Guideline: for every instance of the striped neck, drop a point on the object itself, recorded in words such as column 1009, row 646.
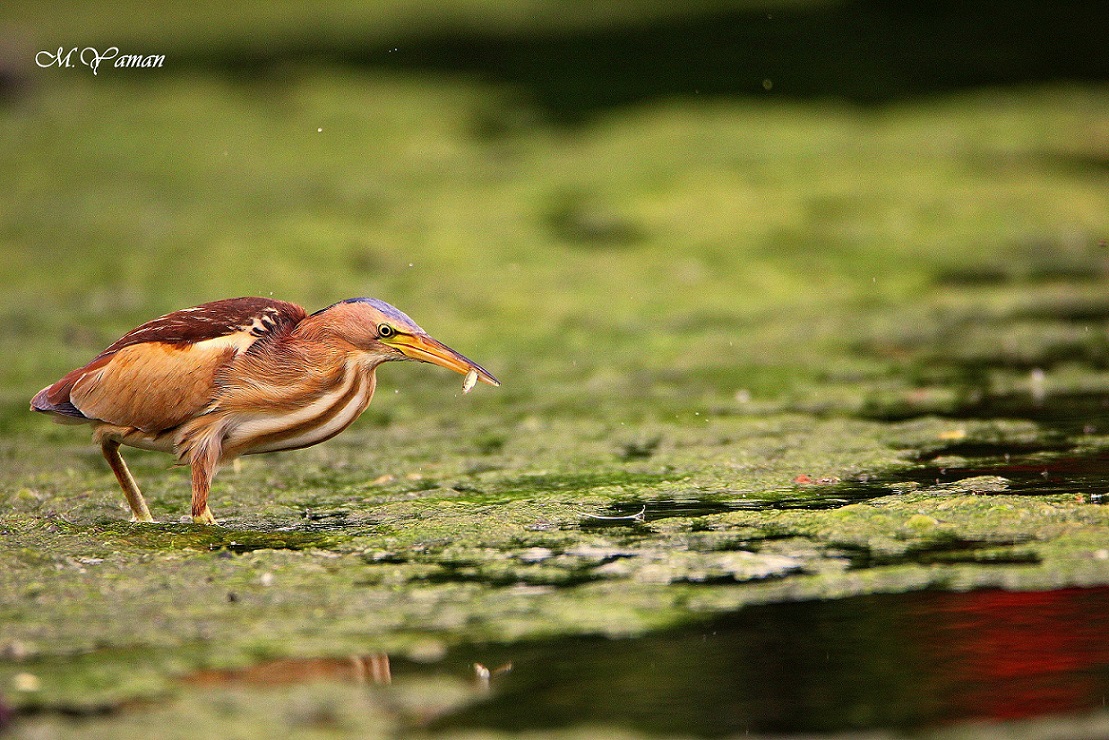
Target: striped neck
column 331, row 410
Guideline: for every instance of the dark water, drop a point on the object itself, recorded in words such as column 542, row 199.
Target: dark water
column 1085, row 473
column 1067, row 458
column 889, row 661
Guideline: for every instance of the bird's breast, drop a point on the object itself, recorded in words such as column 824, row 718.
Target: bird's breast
column 264, row 430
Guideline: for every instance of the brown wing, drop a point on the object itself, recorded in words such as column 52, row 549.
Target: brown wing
column 162, row 373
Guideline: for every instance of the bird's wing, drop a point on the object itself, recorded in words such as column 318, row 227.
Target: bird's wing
column 162, row 373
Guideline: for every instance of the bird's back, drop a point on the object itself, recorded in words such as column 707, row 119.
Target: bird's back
column 160, row 374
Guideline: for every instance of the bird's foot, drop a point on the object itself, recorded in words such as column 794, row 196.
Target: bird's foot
column 147, row 519
column 204, row 517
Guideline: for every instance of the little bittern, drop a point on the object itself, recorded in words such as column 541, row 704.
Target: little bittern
column 237, row 377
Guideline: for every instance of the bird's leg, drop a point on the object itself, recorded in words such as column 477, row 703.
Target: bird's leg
column 204, row 460
column 139, row 511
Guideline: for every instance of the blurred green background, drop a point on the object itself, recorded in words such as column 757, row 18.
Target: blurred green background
column 569, row 191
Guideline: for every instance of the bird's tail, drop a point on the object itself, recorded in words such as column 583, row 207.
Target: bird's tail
column 63, row 410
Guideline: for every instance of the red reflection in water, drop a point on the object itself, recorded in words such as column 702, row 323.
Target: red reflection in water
column 1010, row 655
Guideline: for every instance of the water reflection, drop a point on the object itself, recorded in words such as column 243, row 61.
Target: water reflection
column 360, row 669
column 887, row 661
column 892, row 661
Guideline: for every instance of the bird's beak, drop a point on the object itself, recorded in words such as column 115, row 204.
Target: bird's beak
column 425, row 349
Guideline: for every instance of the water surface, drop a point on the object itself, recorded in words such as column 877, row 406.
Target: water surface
column 887, row 661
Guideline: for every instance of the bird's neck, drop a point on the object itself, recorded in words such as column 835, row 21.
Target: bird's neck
column 317, row 329
column 317, row 405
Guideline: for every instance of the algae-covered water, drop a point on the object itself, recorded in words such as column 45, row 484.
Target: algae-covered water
column 804, row 350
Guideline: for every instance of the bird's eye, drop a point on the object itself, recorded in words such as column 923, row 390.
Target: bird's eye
column 384, row 331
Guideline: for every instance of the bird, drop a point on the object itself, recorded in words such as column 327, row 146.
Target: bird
column 238, row 376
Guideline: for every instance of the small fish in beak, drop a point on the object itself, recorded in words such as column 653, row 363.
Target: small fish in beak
column 470, row 381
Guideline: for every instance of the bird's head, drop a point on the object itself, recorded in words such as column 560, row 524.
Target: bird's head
column 378, row 328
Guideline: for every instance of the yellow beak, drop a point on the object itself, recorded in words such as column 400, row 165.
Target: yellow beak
column 425, row 349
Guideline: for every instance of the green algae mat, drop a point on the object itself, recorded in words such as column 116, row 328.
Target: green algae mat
column 756, row 353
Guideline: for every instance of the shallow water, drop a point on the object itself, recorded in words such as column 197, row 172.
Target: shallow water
column 902, row 662
column 887, row 661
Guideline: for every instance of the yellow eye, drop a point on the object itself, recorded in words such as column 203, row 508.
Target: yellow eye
column 384, row 331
